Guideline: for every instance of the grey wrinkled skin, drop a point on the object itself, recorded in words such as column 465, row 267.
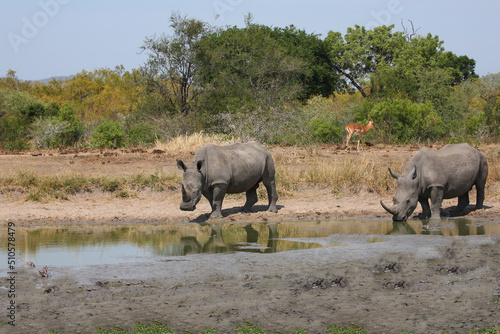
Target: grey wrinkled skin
column 436, row 175
column 217, row 170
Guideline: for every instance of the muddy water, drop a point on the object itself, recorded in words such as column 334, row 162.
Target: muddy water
column 84, row 245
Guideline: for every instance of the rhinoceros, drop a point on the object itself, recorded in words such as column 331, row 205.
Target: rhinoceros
column 436, row 175
column 236, row 168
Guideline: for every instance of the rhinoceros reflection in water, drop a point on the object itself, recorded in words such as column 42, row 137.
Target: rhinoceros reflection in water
column 216, row 243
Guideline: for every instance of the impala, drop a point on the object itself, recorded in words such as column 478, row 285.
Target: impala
column 354, row 129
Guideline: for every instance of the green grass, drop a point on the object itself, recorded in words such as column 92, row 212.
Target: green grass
column 249, row 328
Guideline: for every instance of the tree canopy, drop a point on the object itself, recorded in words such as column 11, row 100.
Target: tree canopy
column 257, row 82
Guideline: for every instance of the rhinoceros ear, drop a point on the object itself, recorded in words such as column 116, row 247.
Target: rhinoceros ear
column 414, row 173
column 393, row 174
column 181, row 165
column 199, row 164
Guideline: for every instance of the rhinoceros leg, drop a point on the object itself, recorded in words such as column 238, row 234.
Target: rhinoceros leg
column 463, row 201
column 251, row 198
column 219, row 191
column 426, row 209
column 272, row 194
column 437, row 201
column 268, row 179
column 480, row 185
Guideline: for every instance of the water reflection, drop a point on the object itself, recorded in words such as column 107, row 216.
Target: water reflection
column 452, row 227
column 107, row 244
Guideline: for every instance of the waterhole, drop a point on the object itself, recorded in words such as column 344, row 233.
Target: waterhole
column 87, row 245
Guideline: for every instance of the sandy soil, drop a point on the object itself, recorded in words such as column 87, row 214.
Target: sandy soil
column 422, row 283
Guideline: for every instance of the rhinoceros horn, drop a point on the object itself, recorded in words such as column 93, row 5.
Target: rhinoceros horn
column 393, row 174
column 391, row 210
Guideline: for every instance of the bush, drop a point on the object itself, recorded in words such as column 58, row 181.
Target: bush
column 326, row 132
column 13, row 132
column 404, row 121
column 74, row 132
column 63, row 129
column 141, row 134
column 108, row 134
column 274, row 126
column 32, row 111
column 17, row 144
column 47, row 131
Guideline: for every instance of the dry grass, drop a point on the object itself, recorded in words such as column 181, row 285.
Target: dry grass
column 345, row 175
column 297, row 168
column 188, row 144
column 60, row 186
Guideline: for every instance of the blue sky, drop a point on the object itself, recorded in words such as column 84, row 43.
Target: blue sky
column 45, row 38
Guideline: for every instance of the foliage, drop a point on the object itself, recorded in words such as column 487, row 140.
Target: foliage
column 60, row 130
column 320, row 77
column 395, row 64
column 274, row 126
column 328, row 116
column 275, row 85
column 108, row 134
column 359, row 52
column 325, row 132
column 46, row 131
column 141, row 134
column 246, row 69
column 403, row 121
column 170, row 68
column 95, row 96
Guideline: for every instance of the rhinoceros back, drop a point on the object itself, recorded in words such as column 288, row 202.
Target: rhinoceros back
column 241, row 165
column 456, row 167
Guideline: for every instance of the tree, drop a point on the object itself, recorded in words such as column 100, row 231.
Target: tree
column 361, row 52
column 245, row 69
column 320, row 78
column 489, row 92
column 170, row 67
column 395, row 63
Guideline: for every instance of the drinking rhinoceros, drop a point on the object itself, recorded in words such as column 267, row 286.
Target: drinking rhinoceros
column 217, row 170
column 446, row 173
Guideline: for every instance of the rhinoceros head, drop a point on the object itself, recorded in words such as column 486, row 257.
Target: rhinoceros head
column 191, row 185
column 406, row 198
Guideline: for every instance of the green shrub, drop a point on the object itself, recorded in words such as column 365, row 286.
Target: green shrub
column 62, row 129
column 17, row 144
column 30, row 112
column 325, row 132
column 403, row 121
column 74, row 131
column 141, row 134
column 108, row 134
column 13, row 132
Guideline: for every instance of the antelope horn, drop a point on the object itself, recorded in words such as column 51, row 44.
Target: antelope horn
column 391, row 210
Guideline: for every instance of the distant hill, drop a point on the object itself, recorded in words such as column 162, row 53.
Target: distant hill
column 47, row 80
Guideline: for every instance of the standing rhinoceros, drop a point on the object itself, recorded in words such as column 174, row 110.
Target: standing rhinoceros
column 217, row 170
column 446, row 173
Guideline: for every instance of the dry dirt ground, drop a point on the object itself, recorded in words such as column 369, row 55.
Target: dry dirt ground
column 422, row 283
